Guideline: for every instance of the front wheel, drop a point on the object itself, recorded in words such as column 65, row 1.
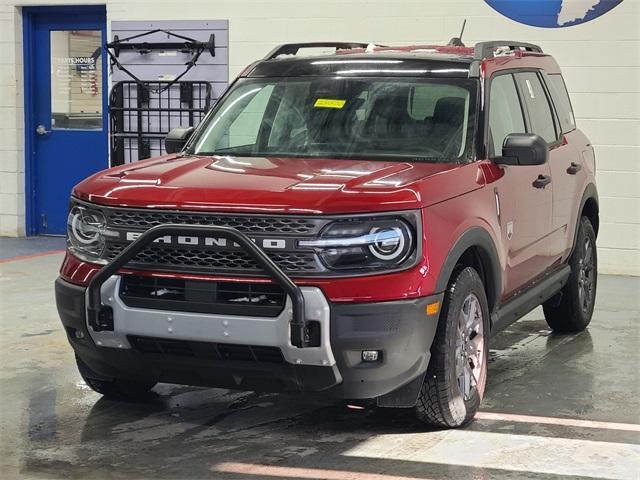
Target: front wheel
column 454, row 384
column 572, row 309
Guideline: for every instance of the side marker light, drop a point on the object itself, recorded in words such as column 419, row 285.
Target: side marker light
column 432, row 308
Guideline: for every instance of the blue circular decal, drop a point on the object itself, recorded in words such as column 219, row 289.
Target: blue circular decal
column 552, row 13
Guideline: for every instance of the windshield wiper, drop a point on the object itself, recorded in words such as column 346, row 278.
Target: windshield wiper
column 222, row 153
column 351, row 156
column 431, row 159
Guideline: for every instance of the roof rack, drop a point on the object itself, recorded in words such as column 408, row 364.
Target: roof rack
column 292, row 48
column 484, row 50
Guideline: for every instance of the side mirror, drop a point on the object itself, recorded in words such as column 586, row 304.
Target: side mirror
column 523, row 149
column 177, row 139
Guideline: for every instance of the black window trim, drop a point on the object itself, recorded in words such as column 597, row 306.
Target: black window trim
column 545, row 76
column 523, row 111
column 513, row 71
column 554, row 114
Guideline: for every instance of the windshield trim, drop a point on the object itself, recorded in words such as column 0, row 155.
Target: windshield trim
column 333, row 156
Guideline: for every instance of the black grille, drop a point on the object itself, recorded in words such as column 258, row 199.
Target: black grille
column 193, row 259
column 206, row 350
column 226, row 298
column 211, row 259
column 247, row 224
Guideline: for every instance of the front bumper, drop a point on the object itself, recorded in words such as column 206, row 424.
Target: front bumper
column 400, row 329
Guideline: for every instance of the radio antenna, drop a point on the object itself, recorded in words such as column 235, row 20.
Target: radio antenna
column 457, row 41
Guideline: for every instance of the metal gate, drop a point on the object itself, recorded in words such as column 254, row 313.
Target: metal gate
column 141, row 115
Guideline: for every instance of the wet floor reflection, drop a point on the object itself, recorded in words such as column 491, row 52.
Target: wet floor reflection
column 53, row 426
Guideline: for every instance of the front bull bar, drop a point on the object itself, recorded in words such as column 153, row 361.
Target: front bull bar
column 299, row 333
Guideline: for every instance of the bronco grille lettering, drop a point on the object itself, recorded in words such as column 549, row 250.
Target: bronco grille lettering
column 266, row 243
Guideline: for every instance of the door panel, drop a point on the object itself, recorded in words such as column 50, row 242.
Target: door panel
column 66, row 125
column 524, row 210
column 525, row 214
column 567, row 168
column 566, row 197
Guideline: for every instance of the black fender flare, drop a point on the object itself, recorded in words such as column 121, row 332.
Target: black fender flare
column 590, row 193
column 475, row 237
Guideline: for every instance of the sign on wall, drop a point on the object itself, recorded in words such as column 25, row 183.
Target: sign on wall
column 552, row 13
column 76, row 79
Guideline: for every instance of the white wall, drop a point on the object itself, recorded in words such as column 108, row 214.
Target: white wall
column 600, row 59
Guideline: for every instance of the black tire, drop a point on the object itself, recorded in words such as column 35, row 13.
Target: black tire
column 442, row 402
column 571, row 310
column 117, row 388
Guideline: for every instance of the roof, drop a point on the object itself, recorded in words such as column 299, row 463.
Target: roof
column 360, row 59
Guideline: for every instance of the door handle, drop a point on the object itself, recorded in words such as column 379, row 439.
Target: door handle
column 42, row 130
column 574, row 168
column 542, row 181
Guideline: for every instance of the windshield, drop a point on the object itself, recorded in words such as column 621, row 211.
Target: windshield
column 408, row 119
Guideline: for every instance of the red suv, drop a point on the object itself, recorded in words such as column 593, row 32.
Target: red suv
column 358, row 223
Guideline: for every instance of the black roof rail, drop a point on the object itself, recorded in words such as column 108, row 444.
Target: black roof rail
column 484, row 50
column 292, row 48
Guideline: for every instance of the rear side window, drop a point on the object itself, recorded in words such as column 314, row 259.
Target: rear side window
column 505, row 112
column 560, row 98
column 538, row 106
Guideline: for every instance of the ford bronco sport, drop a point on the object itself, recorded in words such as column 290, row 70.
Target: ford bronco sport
column 358, row 222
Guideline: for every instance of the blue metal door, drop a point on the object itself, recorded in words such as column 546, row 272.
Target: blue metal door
column 65, row 108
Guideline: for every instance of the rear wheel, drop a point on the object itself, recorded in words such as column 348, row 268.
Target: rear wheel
column 457, row 373
column 117, row 388
column 572, row 309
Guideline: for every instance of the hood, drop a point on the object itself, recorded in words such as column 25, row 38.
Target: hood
column 277, row 185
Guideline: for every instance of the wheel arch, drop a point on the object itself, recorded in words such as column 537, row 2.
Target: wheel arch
column 590, row 208
column 475, row 248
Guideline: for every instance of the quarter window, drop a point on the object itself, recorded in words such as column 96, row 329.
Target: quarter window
column 505, row 112
column 540, row 116
column 561, row 100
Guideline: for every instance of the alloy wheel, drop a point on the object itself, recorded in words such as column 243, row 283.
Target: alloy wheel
column 470, row 347
column 586, row 276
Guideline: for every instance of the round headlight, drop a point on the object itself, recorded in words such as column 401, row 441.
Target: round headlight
column 85, row 232
column 365, row 244
column 86, row 227
column 387, row 243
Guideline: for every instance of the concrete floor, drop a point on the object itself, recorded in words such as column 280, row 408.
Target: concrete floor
column 556, row 406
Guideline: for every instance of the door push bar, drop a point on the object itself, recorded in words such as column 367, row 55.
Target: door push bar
column 299, row 333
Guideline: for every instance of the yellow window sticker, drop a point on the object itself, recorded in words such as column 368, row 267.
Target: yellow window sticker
column 329, row 103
